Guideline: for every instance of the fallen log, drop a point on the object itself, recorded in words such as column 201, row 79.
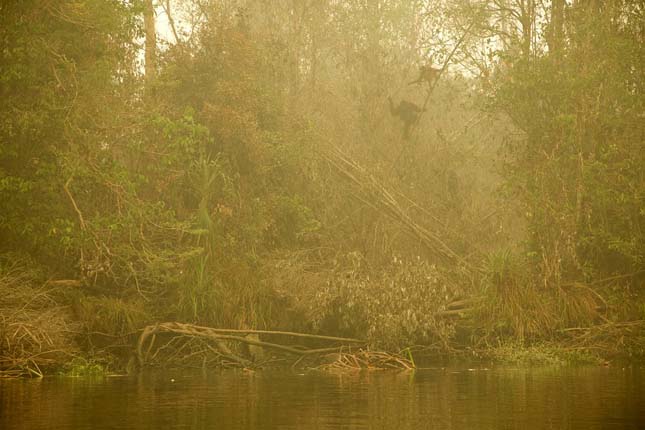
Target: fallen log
column 220, row 335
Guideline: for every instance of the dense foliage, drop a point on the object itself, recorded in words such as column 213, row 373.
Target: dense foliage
column 250, row 175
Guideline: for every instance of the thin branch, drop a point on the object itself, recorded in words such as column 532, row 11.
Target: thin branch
column 166, row 7
column 71, row 198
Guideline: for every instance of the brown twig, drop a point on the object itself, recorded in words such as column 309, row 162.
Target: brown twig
column 71, row 198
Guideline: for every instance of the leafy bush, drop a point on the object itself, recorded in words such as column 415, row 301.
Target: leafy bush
column 397, row 307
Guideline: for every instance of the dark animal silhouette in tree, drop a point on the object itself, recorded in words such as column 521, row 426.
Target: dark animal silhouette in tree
column 408, row 112
column 427, row 74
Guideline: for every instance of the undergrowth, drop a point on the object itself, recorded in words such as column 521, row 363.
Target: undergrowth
column 513, row 352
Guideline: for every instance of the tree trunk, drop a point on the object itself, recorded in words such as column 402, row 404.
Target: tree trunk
column 527, row 10
column 151, row 41
column 557, row 22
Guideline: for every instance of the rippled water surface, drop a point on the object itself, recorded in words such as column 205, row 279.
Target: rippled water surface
column 499, row 398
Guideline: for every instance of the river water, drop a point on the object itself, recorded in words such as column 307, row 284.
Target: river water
column 497, row 398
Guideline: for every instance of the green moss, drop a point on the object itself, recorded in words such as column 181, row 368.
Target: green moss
column 541, row 354
column 84, row 367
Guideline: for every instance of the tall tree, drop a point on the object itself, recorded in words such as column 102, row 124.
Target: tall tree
column 151, row 41
column 557, row 24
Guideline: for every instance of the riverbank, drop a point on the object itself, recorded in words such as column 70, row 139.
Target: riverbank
column 55, row 326
column 426, row 181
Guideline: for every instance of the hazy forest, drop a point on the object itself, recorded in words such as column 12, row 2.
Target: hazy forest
column 183, row 181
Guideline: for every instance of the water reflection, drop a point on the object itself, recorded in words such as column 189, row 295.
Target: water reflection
column 584, row 398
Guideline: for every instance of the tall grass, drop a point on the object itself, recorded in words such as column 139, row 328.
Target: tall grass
column 36, row 330
column 516, row 306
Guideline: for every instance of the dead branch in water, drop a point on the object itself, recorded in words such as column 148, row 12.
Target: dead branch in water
column 218, row 336
column 366, row 360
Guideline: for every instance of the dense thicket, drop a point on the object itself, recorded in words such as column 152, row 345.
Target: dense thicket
column 249, row 173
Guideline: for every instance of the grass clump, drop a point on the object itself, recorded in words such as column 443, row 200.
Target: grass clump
column 515, row 306
column 36, row 329
column 541, row 354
